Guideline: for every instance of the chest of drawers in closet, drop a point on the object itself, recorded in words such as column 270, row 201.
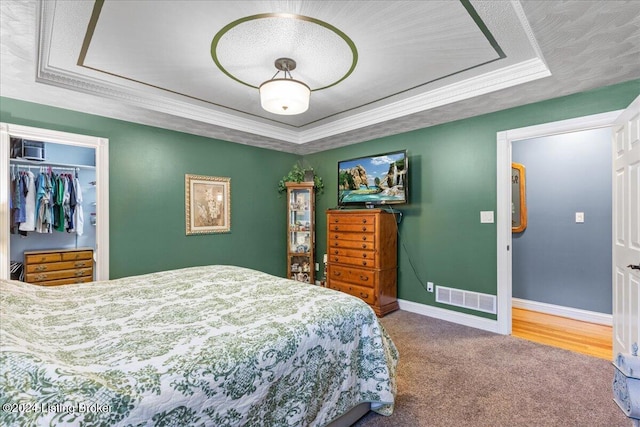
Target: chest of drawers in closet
column 58, row 266
column 362, row 256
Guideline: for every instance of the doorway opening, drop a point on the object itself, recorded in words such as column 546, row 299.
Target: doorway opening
column 100, row 145
column 504, row 230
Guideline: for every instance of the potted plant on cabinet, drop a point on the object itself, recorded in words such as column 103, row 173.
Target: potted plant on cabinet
column 301, row 173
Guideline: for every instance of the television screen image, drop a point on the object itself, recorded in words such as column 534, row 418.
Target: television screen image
column 380, row 179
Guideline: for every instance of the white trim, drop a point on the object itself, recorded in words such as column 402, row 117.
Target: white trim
column 101, row 145
column 449, row 315
column 503, row 197
column 503, row 232
column 569, row 312
column 503, row 78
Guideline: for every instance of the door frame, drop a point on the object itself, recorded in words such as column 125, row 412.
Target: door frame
column 503, row 203
column 101, row 145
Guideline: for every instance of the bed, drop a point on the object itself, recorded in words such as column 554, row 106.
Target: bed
column 211, row 346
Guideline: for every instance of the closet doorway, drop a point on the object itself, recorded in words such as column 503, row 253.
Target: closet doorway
column 101, row 188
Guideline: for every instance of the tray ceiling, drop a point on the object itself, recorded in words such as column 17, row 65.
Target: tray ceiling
column 375, row 68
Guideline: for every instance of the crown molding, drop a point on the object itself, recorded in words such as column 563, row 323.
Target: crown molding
column 503, row 78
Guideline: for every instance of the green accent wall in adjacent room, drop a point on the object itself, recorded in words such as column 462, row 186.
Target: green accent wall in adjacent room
column 452, row 172
column 147, row 166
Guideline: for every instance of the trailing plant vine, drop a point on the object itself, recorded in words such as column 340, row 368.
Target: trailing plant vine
column 298, row 174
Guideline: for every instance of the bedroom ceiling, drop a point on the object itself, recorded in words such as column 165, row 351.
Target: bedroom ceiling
column 375, row 68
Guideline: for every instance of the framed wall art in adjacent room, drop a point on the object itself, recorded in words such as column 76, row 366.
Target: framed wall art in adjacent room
column 518, row 198
column 207, row 204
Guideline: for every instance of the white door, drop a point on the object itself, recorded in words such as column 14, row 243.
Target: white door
column 626, row 229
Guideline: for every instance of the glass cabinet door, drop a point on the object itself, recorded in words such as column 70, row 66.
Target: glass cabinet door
column 300, row 232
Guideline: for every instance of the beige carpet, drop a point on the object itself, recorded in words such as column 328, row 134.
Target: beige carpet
column 452, row 375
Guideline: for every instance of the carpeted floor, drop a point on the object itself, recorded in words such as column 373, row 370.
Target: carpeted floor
column 453, row 375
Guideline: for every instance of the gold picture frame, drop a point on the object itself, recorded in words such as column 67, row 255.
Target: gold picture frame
column 207, row 204
column 518, row 198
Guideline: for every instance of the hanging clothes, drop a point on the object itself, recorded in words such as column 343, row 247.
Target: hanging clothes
column 58, row 208
column 44, row 204
column 78, row 214
column 29, row 223
column 72, row 203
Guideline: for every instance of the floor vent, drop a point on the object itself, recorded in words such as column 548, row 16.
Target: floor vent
column 466, row 299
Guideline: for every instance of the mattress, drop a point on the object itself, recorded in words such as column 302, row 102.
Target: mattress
column 212, row 345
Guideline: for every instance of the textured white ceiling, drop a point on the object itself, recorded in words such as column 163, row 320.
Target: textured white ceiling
column 417, row 63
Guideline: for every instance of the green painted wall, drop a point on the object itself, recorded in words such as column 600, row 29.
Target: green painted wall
column 146, row 193
column 452, row 172
column 453, row 178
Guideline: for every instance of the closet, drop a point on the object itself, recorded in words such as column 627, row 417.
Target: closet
column 53, row 202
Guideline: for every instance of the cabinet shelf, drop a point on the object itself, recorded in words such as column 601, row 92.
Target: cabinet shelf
column 301, row 231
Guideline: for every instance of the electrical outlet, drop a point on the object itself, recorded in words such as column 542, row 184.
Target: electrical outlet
column 429, row 286
column 317, row 266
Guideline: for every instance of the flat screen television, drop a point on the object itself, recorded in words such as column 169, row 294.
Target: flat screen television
column 381, row 179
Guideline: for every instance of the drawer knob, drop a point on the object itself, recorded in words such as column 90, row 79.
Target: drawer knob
column 41, row 277
column 364, row 237
column 363, row 295
column 364, row 262
column 336, row 228
column 79, row 264
column 364, row 255
column 79, row 273
column 364, row 228
column 337, row 273
column 364, row 246
column 41, row 268
column 335, row 244
column 336, row 252
column 335, row 259
column 364, row 220
column 364, row 278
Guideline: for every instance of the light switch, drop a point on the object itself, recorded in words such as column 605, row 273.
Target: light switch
column 579, row 217
column 486, row 217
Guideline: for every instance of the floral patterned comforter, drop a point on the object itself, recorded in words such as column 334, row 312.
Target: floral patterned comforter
column 200, row 346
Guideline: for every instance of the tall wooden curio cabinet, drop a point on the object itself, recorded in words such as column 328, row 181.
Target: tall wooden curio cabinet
column 301, row 231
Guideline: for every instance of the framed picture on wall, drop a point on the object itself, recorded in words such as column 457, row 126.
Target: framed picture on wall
column 207, row 204
column 518, row 199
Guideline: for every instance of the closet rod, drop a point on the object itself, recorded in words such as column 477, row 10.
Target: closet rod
column 53, row 165
column 76, row 169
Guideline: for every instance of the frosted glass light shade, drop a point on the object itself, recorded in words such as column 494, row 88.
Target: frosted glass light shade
column 284, row 96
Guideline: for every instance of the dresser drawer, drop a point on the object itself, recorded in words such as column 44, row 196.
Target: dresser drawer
column 54, row 266
column 76, row 255
column 353, row 253
column 355, row 237
column 351, row 219
column 351, row 244
column 365, row 294
column 357, row 262
column 356, row 276
column 43, row 257
column 60, row 274
column 360, row 228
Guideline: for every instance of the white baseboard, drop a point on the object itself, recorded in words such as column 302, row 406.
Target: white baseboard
column 449, row 315
column 558, row 310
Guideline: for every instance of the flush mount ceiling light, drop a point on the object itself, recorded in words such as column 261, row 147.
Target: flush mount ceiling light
column 284, row 95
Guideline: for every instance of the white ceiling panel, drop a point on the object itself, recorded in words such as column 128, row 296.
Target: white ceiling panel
column 375, row 68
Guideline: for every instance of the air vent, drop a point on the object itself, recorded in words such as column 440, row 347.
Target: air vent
column 466, row 299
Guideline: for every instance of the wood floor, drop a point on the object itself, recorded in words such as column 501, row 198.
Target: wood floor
column 586, row 338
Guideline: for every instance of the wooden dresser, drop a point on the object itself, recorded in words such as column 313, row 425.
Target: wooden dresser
column 362, row 256
column 58, row 266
